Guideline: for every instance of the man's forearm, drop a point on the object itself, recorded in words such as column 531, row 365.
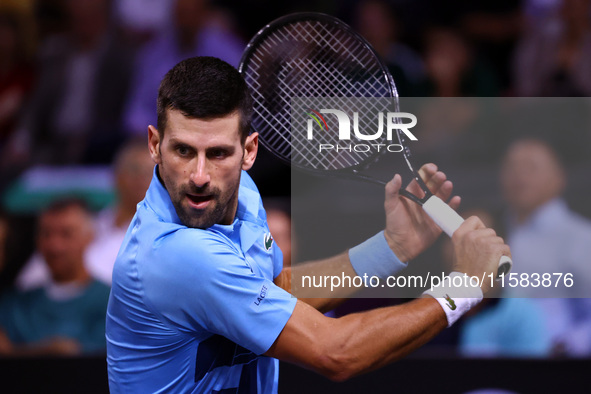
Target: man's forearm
column 357, row 343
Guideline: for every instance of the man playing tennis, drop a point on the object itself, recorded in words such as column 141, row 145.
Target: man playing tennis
column 199, row 301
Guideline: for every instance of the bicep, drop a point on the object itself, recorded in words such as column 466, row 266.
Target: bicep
column 283, row 280
column 297, row 281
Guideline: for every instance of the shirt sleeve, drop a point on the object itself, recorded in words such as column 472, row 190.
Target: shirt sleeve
column 196, row 282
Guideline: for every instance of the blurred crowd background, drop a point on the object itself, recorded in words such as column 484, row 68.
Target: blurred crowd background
column 78, row 87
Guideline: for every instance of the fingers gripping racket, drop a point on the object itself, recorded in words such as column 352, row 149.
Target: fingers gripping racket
column 312, row 55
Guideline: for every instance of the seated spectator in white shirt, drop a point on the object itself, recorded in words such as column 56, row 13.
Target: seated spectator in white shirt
column 133, row 173
column 546, row 236
column 67, row 315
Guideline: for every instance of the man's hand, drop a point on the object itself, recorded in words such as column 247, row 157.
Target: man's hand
column 55, row 346
column 59, row 346
column 477, row 250
column 409, row 230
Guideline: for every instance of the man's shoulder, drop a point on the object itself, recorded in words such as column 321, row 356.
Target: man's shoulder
column 182, row 259
column 194, row 243
column 9, row 296
column 582, row 223
column 153, row 245
column 557, row 216
column 13, row 300
column 98, row 289
column 184, row 251
column 13, row 294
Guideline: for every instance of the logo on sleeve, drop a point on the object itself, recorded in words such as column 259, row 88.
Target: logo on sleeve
column 262, row 295
column 268, row 241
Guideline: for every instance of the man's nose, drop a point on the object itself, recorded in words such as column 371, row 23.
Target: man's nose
column 200, row 175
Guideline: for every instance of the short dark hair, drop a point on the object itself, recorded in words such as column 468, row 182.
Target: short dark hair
column 204, row 87
column 62, row 204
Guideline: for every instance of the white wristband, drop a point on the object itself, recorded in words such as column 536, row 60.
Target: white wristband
column 456, row 296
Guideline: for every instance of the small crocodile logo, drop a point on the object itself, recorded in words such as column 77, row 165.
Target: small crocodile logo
column 268, row 239
column 450, row 303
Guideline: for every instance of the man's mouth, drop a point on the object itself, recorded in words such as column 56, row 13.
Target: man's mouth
column 199, row 201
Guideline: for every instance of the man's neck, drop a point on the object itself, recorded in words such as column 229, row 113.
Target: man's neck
column 66, row 290
column 80, row 277
column 522, row 216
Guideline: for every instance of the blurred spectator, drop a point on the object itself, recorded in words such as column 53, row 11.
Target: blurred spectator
column 74, row 113
column 493, row 27
column 504, row 327
column 196, row 30
column 554, row 57
column 279, row 221
column 67, row 316
column 538, row 11
column 16, row 71
column 453, row 70
column 132, row 168
column 450, row 132
column 378, row 24
column 50, row 17
column 546, row 237
column 141, row 20
column 500, row 326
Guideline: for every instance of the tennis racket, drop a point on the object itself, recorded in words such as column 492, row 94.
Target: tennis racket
column 302, row 59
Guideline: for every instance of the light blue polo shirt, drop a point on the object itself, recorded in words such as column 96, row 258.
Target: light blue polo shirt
column 192, row 310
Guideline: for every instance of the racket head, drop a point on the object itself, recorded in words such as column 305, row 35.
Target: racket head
column 311, row 55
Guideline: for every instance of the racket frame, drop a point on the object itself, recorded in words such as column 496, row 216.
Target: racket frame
column 351, row 172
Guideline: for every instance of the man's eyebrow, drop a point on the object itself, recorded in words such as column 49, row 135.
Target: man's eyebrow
column 229, row 148
column 175, row 142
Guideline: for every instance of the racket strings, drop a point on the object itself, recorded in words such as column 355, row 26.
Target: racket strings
column 310, row 59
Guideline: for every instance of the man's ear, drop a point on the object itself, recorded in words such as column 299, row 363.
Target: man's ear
column 251, row 147
column 154, row 144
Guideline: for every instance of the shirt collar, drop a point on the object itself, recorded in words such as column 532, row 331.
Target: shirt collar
column 158, row 199
column 250, row 207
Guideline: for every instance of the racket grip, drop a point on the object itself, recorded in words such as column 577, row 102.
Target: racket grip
column 449, row 221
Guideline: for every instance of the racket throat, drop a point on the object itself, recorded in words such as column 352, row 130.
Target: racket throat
column 422, row 185
column 356, row 175
column 413, row 198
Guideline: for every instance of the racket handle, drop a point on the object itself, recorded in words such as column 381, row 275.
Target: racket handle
column 449, row 221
